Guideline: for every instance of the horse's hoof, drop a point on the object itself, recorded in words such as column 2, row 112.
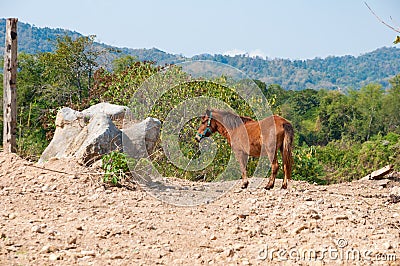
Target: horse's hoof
column 284, row 187
column 268, row 187
column 245, row 185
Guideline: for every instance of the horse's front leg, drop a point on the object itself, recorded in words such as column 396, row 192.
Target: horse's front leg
column 242, row 159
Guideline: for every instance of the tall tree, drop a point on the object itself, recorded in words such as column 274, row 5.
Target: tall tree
column 369, row 102
column 391, row 106
column 70, row 68
column 335, row 114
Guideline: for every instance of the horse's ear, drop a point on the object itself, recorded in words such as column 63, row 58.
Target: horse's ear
column 208, row 112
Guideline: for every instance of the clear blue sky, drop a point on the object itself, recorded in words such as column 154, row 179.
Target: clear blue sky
column 295, row 29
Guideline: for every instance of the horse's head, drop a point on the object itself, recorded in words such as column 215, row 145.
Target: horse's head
column 207, row 127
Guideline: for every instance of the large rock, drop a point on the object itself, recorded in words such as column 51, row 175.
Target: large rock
column 69, row 124
column 111, row 110
column 146, row 132
column 87, row 135
column 99, row 137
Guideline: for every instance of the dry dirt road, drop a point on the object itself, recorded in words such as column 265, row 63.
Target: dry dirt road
column 56, row 218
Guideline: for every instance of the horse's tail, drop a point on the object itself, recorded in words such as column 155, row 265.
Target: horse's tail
column 287, row 149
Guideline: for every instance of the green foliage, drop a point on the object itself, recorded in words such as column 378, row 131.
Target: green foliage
column 121, row 63
column 306, row 165
column 70, row 69
column 391, row 107
column 335, row 112
column 346, row 160
column 119, row 86
column 115, row 166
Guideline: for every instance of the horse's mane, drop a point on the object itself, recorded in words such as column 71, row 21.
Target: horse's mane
column 230, row 120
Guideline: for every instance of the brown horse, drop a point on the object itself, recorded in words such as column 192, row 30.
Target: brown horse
column 255, row 138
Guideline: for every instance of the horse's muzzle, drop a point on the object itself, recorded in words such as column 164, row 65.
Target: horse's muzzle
column 197, row 138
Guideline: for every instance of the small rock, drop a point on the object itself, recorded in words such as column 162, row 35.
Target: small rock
column 91, row 253
column 383, row 182
column 48, row 249
column 315, row 216
column 299, row 229
column 395, row 190
column 54, row 257
column 72, row 240
column 341, row 217
column 12, row 216
column 252, row 201
column 11, row 249
column 387, row 245
column 167, row 248
column 213, row 237
column 238, row 247
column 245, row 261
column 152, row 227
column 197, row 256
column 242, row 216
column 309, row 203
column 9, row 242
column 311, row 211
column 37, row 229
column 93, row 197
column 53, row 232
column 228, row 252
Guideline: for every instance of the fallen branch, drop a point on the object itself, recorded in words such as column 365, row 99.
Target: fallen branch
column 379, row 174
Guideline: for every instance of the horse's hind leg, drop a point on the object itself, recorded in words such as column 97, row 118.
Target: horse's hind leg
column 274, row 171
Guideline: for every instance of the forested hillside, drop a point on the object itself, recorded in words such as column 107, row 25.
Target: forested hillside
column 333, row 72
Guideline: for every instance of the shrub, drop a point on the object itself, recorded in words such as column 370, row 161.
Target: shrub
column 346, row 160
column 306, row 165
column 116, row 167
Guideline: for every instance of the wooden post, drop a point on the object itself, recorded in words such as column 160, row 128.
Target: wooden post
column 10, row 87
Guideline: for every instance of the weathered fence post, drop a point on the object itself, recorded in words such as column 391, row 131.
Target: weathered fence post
column 10, row 87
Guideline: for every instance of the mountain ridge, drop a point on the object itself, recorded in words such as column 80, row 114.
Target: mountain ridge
column 332, row 72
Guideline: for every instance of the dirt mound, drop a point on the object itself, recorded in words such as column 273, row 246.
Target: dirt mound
column 65, row 216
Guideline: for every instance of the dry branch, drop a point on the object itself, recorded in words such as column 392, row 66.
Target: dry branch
column 379, row 174
column 381, row 20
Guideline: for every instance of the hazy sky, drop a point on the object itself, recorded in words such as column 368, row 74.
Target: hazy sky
column 295, row 29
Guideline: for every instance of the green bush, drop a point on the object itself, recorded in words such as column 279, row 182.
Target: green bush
column 116, row 167
column 347, row 160
column 306, row 165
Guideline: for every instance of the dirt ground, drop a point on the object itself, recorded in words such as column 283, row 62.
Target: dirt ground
column 68, row 217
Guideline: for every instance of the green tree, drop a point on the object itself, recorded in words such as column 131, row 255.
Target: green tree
column 368, row 101
column 391, row 106
column 71, row 67
column 335, row 113
column 122, row 63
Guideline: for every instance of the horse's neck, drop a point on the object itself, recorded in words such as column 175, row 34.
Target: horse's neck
column 224, row 132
